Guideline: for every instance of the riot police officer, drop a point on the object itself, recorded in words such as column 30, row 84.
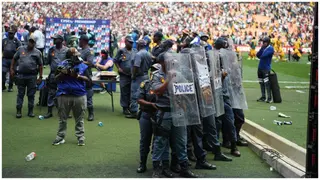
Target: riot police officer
column 9, row 48
column 87, row 55
column 72, row 77
column 227, row 119
column 56, row 55
column 146, row 99
column 140, row 66
column 28, row 63
column 165, row 128
column 123, row 61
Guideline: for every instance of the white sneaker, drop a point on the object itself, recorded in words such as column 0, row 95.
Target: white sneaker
column 56, row 142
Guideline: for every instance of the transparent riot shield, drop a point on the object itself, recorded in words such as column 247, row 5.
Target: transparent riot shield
column 216, row 81
column 235, row 88
column 184, row 108
column 202, row 81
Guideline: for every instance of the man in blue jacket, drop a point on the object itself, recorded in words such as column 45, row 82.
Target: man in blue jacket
column 265, row 55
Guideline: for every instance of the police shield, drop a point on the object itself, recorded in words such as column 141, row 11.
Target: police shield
column 232, row 67
column 184, row 109
column 216, row 80
column 202, row 81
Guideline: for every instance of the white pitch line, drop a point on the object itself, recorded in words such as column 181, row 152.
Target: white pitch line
column 281, row 82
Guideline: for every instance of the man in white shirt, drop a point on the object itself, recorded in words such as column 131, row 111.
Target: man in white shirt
column 39, row 38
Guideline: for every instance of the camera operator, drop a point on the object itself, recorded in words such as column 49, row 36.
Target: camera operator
column 26, row 64
column 72, row 75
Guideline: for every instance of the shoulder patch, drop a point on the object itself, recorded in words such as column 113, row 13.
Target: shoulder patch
column 162, row 80
column 92, row 52
column 142, row 85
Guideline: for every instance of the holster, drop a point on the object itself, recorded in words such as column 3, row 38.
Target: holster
column 139, row 115
column 158, row 129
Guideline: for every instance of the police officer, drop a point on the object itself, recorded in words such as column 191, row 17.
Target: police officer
column 87, row 55
column 227, row 119
column 28, row 63
column 165, row 128
column 71, row 95
column 140, row 66
column 56, row 55
column 123, row 61
column 146, row 99
column 9, row 48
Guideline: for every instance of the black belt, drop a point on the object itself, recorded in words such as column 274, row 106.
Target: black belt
column 165, row 109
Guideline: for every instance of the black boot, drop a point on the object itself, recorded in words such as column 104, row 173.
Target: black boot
column 226, row 144
column 241, row 142
column 165, row 169
column 234, row 150
column 90, row 116
column 203, row 164
column 30, row 112
column 219, row 156
column 49, row 114
column 156, row 169
column 142, row 167
column 186, row 172
column 174, row 166
column 18, row 115
column 191, row 156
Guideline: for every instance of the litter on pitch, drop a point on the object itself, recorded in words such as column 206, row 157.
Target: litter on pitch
column 283, row 115
column 273, row 108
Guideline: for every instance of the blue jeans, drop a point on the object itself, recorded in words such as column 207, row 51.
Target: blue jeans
column 145, row 135
column 161, row 143
column 135, row 85
column 226, row 121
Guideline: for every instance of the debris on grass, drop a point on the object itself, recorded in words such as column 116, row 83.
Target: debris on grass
column 287, row 122
column 273, row 108
column 283, row 115
column 279, row 123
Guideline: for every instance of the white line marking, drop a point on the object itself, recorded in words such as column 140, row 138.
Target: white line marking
column 281, row 82
column 297, row 87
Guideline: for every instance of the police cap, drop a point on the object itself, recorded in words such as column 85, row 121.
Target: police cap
column 129, row 38
column 84, row 37
column 57, row 36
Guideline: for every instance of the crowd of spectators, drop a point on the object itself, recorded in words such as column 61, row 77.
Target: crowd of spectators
column 242, row 21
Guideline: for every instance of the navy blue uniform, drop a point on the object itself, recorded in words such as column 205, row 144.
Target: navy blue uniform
column 124, row 58
column 9, row 48
column 143, row 62
column 55, row 56
column 27, row 63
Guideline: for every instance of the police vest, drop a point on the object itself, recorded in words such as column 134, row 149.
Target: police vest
column 10, row 47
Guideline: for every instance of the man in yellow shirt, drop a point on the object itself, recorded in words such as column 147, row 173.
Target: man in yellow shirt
column 279, row 53
column 252, row 53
